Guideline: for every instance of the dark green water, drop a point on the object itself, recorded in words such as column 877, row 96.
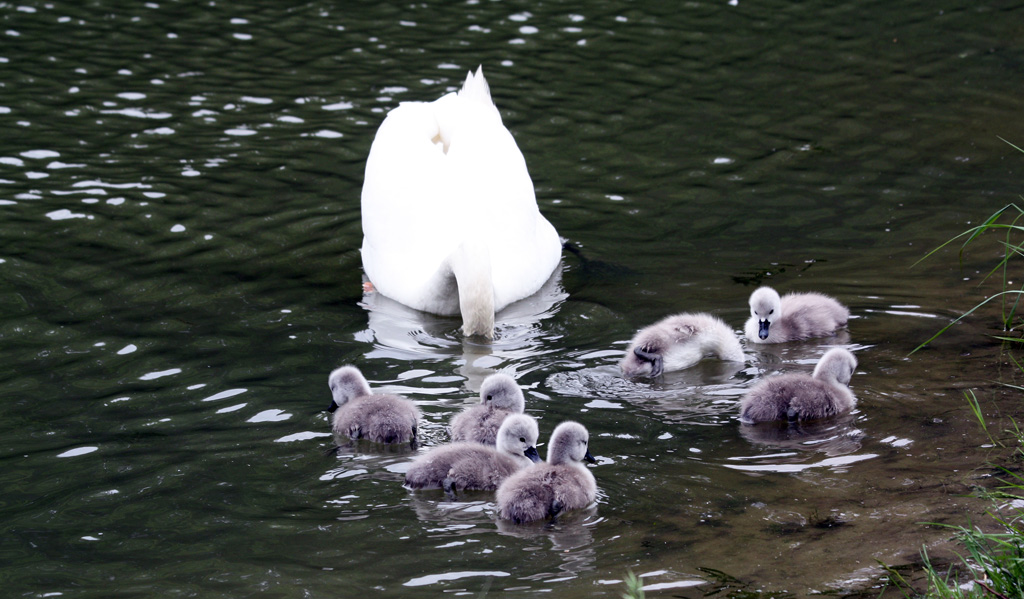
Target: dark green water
column 179, row 271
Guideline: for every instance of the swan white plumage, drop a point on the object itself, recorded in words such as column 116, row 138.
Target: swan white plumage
column 450, row 219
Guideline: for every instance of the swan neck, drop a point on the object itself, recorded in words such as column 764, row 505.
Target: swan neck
column 471, row 265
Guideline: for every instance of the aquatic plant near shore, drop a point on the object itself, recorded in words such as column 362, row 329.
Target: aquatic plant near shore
column 1011, row 298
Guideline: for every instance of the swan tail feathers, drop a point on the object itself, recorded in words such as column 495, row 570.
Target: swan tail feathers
column 476, row 88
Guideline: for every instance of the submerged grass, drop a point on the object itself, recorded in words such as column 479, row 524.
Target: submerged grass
column 993, row 564
column 634, row 587
column 1010, row 298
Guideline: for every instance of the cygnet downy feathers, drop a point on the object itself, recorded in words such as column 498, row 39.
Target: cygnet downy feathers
column 468, row 465
column 799, row 396
column 361, row 414
column 500, row 397
column 679, row 342
column 792, row 317
column 562, row 483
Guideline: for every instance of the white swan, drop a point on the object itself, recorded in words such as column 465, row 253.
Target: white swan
column 792, row 317
column 450, row 220
column 678, row 342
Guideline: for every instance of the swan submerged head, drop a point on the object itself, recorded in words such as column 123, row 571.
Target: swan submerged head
column 450, row 218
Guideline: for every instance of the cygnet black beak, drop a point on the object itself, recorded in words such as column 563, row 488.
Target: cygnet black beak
column 762, row 329
column 589, row 458
column 332, row 407
column 531, row 452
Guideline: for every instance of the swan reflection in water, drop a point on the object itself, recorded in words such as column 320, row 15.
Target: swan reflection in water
column 831, row 436
column 704, row 393
column 570, row 537
column 567, row 543
column 399, row 332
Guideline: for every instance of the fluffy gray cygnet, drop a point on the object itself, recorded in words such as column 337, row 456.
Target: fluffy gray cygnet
column 500, row 397
column 468, row 465
column 792, row 317
column 562, row 483
column 678, row 342
column 361, row 414
column 801, row 397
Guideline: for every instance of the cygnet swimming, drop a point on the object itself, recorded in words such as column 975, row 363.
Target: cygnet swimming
column 679, row 342
column 500, row 397
column 361, row 414
column 792, row 317
column 468, row 465
column 798, row 396
column 562, row 483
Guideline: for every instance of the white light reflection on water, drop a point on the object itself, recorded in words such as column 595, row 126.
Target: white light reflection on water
column 836, row 463
column 270, row 416
column 71, row 453
column 436, row 578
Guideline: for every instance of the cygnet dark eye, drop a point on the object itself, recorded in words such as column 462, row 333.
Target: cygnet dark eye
column 522, row 439
column 772, row 311
column 490, row 397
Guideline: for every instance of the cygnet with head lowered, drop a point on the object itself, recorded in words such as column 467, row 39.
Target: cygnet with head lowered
column 798, row 396
column 561, row 484
column 792, row 317
column 468, row 465
column 361, row 414
column 678, row 342
column 500, row 397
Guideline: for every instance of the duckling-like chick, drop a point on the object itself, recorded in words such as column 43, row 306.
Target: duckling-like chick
column 792, row 317
column 500, row 397
column 562, row 483
column 468, row 465
column 361, row 414
column 678, row 342
column 801, row 397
